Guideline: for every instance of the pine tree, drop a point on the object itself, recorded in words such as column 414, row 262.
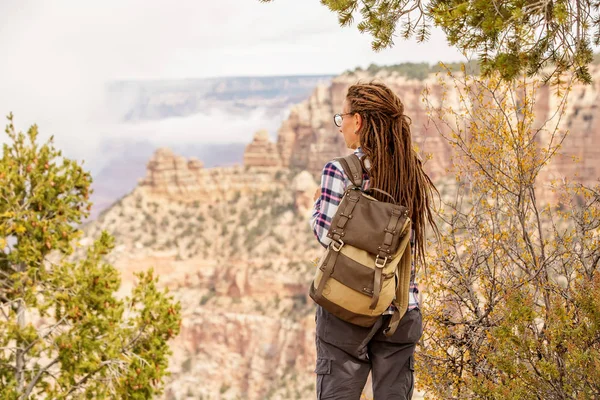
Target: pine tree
column 63, row 332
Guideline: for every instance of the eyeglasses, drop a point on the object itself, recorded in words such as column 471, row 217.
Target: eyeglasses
column 338, row 118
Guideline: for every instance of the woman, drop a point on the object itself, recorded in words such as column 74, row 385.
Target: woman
column 373, row 124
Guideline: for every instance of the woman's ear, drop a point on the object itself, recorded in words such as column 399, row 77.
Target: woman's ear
column 358, row 121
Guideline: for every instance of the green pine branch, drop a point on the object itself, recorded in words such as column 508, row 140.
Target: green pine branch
column 89, row 343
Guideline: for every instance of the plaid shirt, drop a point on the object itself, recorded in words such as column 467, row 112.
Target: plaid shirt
column 333, row 184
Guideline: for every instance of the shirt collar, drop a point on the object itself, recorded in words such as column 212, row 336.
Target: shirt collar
column 366, row 163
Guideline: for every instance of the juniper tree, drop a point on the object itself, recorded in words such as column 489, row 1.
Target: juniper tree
column 63, row 332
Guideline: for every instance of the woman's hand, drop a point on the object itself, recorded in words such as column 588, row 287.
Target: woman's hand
column 317, row 194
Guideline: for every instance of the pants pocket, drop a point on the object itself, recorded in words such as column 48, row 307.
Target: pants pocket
column 322, row 370
column 409, row 330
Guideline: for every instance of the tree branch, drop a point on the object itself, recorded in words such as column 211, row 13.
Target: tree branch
column 34, row 381
column 88, row 376
column 46, row 335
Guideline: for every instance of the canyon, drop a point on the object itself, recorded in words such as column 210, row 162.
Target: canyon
column 233, row 243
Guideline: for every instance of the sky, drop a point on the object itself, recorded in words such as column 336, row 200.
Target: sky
column 58, row 55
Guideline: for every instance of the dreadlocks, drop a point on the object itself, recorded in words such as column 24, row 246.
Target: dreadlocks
column 395, row 167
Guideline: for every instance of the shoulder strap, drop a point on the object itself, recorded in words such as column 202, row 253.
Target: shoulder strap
column 353, row 169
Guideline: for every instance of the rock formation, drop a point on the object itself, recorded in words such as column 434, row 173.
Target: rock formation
column 171, row 174
column 174, row 177
column 262, row 152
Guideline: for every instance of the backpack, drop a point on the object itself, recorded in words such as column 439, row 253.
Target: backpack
column 367, row 265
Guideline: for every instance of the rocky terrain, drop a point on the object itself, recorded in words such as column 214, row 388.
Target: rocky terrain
column 233, row 245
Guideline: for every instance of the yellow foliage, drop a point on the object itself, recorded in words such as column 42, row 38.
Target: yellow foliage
column 506, row 275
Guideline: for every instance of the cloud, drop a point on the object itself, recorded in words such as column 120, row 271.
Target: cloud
column 212, row 126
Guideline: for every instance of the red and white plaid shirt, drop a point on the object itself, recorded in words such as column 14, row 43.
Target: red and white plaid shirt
column 333, row 184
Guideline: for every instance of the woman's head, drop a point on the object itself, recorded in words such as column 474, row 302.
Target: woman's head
column 374, row 119
column 349, row 124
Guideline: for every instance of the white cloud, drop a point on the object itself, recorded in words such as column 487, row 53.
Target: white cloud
column 212, row 126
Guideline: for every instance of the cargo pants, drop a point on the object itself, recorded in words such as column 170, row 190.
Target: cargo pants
column 347, row 352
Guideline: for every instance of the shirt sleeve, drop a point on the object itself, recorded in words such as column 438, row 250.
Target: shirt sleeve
column 333, row 185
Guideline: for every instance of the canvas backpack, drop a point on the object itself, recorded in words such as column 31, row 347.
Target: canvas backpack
column 367, row 265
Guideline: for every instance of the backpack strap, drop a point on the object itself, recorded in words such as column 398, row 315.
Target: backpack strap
column 330, row 260
column 353, row 168
column 398, row 214
column 336, row 232
column 403, row 271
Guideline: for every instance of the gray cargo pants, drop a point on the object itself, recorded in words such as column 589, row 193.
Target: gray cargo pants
column 347, row 352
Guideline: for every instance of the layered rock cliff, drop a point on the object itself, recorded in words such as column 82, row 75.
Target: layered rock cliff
column 177, row 178
column 579, row 156
column 262, row 151
column 308, row 138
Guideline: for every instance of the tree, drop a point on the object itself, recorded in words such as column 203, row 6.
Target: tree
column 512, row 308
column 63, row 333
column 510, row 37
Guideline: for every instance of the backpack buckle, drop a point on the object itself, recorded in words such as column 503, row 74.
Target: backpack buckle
column 340, row 244
column 381, row 262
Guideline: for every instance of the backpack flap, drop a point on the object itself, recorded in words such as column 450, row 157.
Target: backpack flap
column 364, row 222
column 368, row 224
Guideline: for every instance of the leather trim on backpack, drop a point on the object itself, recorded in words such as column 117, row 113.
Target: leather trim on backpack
column 353, row 168
column 327, row 271
column 356, row 276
